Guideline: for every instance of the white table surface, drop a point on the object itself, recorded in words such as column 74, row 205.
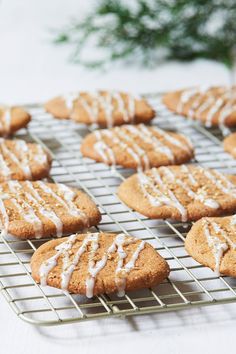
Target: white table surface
column 32, row 69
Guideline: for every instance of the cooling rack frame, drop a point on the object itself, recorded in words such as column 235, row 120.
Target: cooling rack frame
column 189, row 284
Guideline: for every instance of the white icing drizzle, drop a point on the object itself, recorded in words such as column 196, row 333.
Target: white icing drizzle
column 68, row 195
column 4, row 168
column 211, row 203
column 228, row 189
column 105, row 101
column 185, row 97
column 41, row 156
column 204, row 106
column 191, row 178
column 119, row 141
column 121, row 280
column 213, row 110
column 34, row 204
column 145, row 134
column 94, row 266
column 70, row 98
column 121, row 106
column 7, row 121
column 49, row 214
column 23, row 149
column 27, row 213
column 131, row 108
column 218, row 229
column 187, row 147
column 172, row 199
column 131, row 145
column 50, row 263
column 167, row 197
column 197, row 101
column 157, row 192
column 104, row 150
column 224, row 104
column 233, row 220
column 142, row 155
column 22, row 163
column 228, row 109
column 218, row 247
column 69, row 266
column 145, row 181
column 5, row 221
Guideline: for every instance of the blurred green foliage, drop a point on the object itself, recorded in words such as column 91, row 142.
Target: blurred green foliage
column 147, row 32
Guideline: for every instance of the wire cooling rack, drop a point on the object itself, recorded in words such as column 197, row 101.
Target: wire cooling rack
column 189, row 283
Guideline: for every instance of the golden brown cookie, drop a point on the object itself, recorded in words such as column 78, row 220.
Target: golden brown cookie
column 12, row 119
column 212, row 242
column 138, row 147
column 98, row 263
column 230, row 144
column 213, row 106
column 184, row 193
column 104, row 108
column 38, row 209
column 22, row 161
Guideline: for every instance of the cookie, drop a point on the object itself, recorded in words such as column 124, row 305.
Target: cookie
column 183, row 193
column 230, row 144
column 38, row 209
column 138, row 147
column 212, row 242
column 104, row 108
column 213, row 106
column 22, row 161
column 12, row 119
column 98, row 263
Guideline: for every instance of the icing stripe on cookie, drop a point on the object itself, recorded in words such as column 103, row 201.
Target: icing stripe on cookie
column 27, row 212
column 163, row 196
column 5, row 221
column 48, row 213
column 104, row 101
column 94, row 265
column 144, row 134
column 128, row 142
column 22, row 162
column 229, row 189
column 211, row 203
column 158, row 186
column 7, row 121
column 50, row 263
column 173, row 140
column 218, row 247
column 223, row 102
column 65, row 200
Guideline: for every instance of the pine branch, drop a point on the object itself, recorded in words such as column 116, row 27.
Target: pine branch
column 153, row 30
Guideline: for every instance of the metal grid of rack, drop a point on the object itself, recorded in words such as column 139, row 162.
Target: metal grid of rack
column 189, row 283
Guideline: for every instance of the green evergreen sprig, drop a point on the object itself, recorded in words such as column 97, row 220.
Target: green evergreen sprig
column 150, row 31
